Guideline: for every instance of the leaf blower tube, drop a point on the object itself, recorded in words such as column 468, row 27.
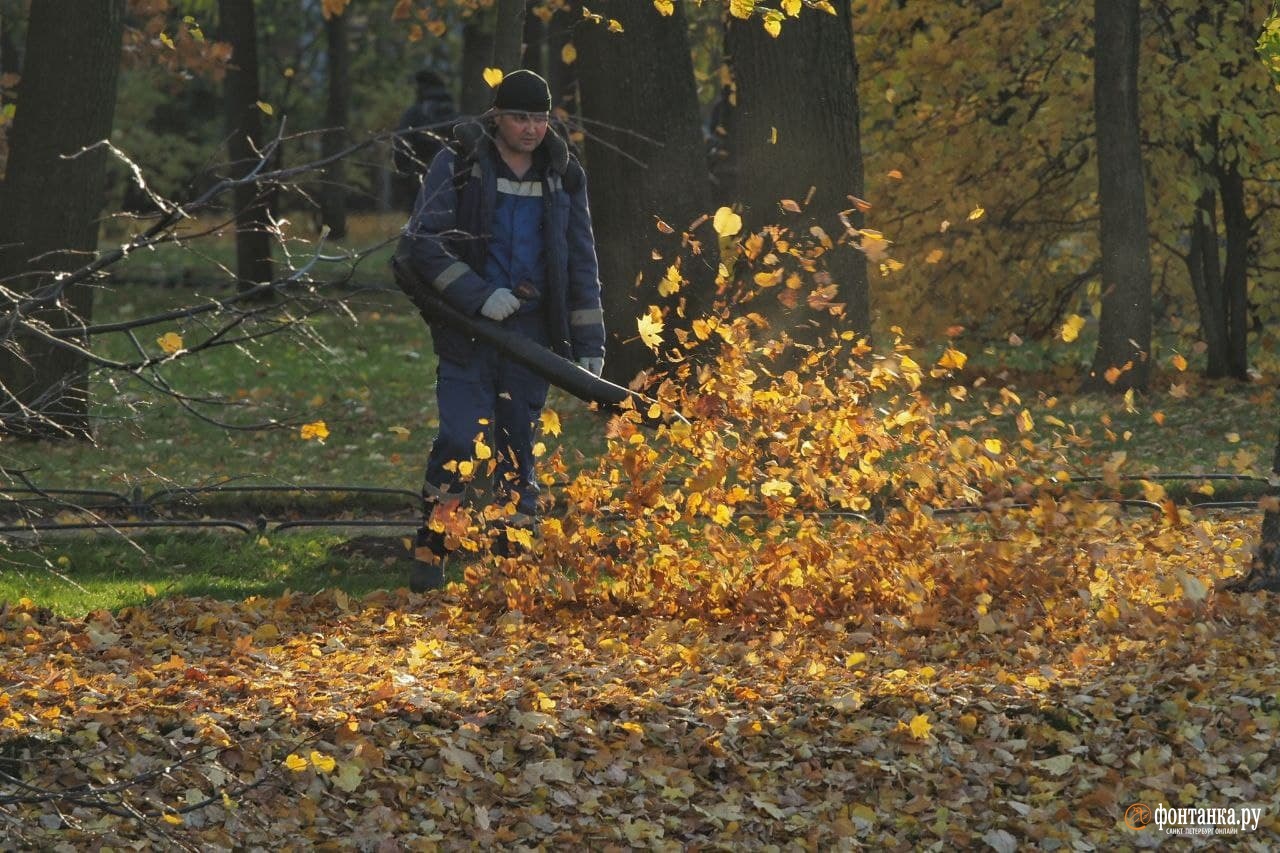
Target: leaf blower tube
column 559, row 371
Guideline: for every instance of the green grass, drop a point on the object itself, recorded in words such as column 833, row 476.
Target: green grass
column 74, row 575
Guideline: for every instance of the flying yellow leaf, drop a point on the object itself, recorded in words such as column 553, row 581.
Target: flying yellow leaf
column 666, row 8
column 977, row 213
column 296, row 763
column 1180, row 362
column 934, row 256
column 1071, row 328
column 1112, row 375
column 166, row 41
column 650, row 330
column 266, row 108
column 323, row 763
column 493, row 76
column 400, row 432
column 671, row 282
column 953, row 359
column 550, row 422
column 174, row 819
column 920, row 727
column 170, row 342
column 726, row 222
column 614, row 26
column 482, row 450
column 568, row 53
column 316, row 430
column 895, row 174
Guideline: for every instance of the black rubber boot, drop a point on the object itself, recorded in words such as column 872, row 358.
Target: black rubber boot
column 426, row 572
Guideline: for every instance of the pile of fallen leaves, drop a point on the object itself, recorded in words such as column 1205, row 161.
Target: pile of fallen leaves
column 757, row 626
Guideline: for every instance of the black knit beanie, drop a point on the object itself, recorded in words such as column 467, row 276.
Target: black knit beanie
column 523, row 91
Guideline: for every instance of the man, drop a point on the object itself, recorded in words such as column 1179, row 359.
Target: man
column 501, row 230
column 433, row 111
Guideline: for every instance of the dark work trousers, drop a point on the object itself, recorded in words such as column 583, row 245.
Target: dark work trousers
column 501, row 401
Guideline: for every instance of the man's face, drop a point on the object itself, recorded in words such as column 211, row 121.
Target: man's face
column 521, row 132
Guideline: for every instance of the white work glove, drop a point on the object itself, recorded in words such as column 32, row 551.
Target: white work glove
column 500, row 305
column 593, row 364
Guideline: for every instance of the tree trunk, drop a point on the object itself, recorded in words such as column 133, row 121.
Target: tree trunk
column 562, row 77
column 9, row 62
column 641, row 82
column 333, row 197
column 1206, row 283
column 1235, row 273
column 51, row 204
column 795, row 128
column 535, row 42
column 244, row 142
column 1124, row 336
column 477, row 52
column 508, row 35
column 1264, row 569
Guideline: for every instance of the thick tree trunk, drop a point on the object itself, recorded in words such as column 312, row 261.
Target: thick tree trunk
column 1124, row 336
column 535, row 42
column 641, row 82
column 562, row 77
column 49, row 204
column 1264, row 570
column 333, row 198
column 508, row 35
column 795, row 128
column 477, row 52
column 1235, row 273
column 244, row 142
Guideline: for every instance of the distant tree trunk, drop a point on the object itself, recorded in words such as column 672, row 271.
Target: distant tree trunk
column 333, row 198
column 508, row 35
column 50, row 205
column 1235, row 273
column 1124, row 336
column 562, row 77
column 796, row 127
column 533, row 56
column 1206, row 283
column 9, row 62
column 477, row 53
column 244, row 141
column 641, row 81
column 1264, row 569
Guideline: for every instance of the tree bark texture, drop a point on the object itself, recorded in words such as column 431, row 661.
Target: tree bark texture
column 51, row 199
column 333, row 197
column 1206, row 282
column 1235, row 272
column 508, row 35
column 1124, row 335
column 795, row 126
column 533, row 54
column 645, row 160
column 562, row 77
column 477, row 52
column 244, row 142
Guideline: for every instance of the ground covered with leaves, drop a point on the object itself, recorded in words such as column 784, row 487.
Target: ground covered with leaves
column 817, row 613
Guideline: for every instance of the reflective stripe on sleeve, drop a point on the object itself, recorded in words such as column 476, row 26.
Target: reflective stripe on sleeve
column 586, row 316
column 452, row 273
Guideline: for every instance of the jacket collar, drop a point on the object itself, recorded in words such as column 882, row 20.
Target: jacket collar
column 475, row 137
